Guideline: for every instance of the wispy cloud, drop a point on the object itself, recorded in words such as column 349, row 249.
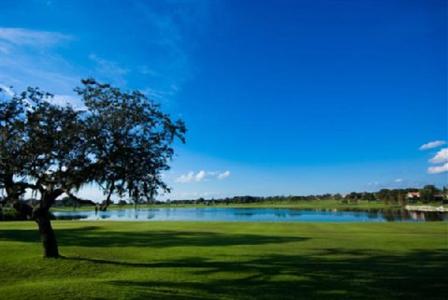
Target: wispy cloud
column 29, row 58
column 223, row 175
column 109, row 70
column 145, row 70
column 440, row 157
column 438, row 169
column 202, row 175
column 185, row 178
column 433, row 144
column 27, row 37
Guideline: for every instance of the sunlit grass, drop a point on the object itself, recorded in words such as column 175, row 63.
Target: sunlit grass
column 177, row 260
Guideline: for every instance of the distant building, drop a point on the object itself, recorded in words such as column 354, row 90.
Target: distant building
column 413, row 195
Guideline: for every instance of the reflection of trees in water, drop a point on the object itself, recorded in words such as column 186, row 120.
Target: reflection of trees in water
column 395, row 215
column 392, row 215
column 249, row 214
column 294, row 212
column 373, row 214
column 150, row 214
column 71, row 217
column 281, row 214
column 269, row 214
column 428, row 216
column 420, row 216
column 121, row 213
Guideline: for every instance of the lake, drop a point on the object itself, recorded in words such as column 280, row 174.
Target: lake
column 252, row 215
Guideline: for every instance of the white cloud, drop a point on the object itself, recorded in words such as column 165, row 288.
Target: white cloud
column 433, row 144
column 398, row 180
column 224, row 174
column 185, row 178
column 200, row 175
column 30, row 58
column 192, row 177
column 440, row 157
column 26, row 37
column 438, row 169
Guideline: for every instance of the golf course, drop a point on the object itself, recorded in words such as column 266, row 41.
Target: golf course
column 226, row 260
column 223, row 150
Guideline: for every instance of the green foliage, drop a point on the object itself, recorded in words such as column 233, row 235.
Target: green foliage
column 121, row 140
column 130, row 139
column 428, row 192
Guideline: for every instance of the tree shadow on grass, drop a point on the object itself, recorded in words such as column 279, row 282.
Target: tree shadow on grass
column 32, row 235
column 359, row 275
column 89, row 236
column 331, row 273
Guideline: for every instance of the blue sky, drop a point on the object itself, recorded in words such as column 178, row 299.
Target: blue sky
column 280, row 97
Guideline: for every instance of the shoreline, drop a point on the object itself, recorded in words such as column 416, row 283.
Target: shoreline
column 426, row 208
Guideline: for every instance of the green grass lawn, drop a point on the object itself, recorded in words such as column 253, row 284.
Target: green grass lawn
column 194, row 260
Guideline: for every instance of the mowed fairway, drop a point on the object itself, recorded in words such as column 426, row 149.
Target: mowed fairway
column 194, row 260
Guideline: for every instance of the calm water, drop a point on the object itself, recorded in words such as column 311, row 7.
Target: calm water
column 251, row 215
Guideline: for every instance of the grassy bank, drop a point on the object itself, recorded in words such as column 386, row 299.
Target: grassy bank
column 177, row 260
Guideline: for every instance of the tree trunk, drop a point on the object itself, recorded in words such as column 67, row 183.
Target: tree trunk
column 105, row 204
column 41, row 214
column 42, row 217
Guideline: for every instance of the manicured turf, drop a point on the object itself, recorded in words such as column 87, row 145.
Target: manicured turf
column 177, row 260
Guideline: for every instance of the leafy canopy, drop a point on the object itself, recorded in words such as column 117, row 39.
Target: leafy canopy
column 119, row 140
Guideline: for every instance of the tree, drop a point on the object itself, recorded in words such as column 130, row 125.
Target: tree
column 428, row 192
column 14, row 155
column 384, row 195
column 401, row 197
column 369, row 196
column 121, row 141
column 337, row 196
column 132, row 140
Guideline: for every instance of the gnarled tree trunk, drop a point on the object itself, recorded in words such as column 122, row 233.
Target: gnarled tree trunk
column 41, row 214
column 42, row 218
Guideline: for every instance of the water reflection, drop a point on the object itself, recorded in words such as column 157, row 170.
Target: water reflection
column 253, row 215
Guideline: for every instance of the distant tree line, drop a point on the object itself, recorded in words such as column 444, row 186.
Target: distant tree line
column 427, row 194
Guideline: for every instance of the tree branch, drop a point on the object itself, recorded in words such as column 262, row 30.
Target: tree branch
column 79, row 200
